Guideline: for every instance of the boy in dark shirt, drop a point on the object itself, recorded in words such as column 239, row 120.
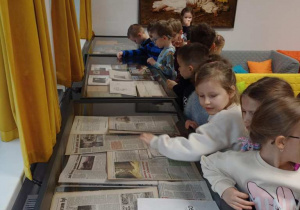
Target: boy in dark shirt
column 137, row 34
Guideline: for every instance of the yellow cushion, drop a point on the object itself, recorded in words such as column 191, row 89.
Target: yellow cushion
column 260, row 67
column 292, row 79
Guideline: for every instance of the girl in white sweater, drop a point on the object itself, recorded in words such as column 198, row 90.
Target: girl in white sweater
column 215, row 85
column 268, row 177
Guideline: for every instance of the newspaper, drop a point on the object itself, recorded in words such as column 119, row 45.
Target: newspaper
column 89, row 125
column 154, row 153
column 125, row 199
column 150, row 89
column 99, row 72
column 123, row 87
column 149, row 169
column 119, row 75
column 139, row 70
column 189, row 190
column 100, row 91
column 122, row 67
column 91, row 143
column 138, row 124
column 91, row 169
column 98, row 80
column 99, row 67
column 175, row 204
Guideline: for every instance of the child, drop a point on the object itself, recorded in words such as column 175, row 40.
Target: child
column 162, row 38
column 177, row 42
column 189, row 57
column 216, row 86
column 186, row 20
column 268, row 176
column 204, row 34
column 218, row 44
column 193, row 111
column 137, row 34
column 266, row 88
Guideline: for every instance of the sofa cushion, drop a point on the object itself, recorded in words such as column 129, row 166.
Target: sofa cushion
column 260, row 67
column 239, row 69
column 292, row 64
column 240, row 57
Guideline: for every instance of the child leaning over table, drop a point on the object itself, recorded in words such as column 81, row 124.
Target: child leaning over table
column 162, row 37
column 137, row 34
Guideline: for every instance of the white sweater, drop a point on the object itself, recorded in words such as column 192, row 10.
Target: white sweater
column 222, row 130
column 267, row 186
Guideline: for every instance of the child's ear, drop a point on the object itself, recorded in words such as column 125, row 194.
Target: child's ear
column 181, row 32
column 280, row 142
column 212, row 48
column 233, row 91
column 191, row 68
column 139, row 34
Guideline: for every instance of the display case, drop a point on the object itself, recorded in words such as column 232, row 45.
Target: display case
column 110, row 45
column 152, row 79
column 90, row 107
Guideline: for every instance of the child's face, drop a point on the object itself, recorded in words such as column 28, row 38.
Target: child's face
column 160, row 42
column 249, row 106
column 212, row 96
column 292, row 146
column 137, row 39
column 177, row 40
column 187, row 19
column 186, row 71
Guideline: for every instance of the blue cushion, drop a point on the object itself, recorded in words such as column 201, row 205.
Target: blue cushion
column 239, row 69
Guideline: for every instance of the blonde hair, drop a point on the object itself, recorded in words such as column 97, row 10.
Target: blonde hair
column 219, row 44
column 134, row 30
column 176, row 25
column 219, row 71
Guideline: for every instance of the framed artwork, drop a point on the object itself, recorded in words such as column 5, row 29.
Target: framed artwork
column 217, row 13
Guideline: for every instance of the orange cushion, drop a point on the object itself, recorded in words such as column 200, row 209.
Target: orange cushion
column 260, row 67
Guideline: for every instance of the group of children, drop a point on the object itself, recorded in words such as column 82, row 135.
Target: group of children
column 248, row 145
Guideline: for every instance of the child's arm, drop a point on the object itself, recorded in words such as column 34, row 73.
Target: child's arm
column 130, row 53
column 216, row 169
column 220, row 133
column 167, row 66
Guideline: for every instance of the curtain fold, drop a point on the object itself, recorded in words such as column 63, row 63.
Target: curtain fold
column 68, row 57
column 27, row 67
column 86, row 31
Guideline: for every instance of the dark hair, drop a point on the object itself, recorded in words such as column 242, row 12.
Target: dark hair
column 204, row 34
column 134, row 29
column 194, row 54
column 274, row 118
column 150, row 25
column 221, row 72
column 175, row 25
column 268, row 88
column 162, row 28
column 186, row 10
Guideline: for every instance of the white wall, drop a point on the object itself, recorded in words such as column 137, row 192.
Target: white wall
column 259, row 25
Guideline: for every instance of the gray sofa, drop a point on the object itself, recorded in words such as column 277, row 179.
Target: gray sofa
column 280, row 62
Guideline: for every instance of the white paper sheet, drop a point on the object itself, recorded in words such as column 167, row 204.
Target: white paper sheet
column 175, row 204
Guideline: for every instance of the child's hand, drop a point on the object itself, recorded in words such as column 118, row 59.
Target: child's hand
column 237, row 199
column 146, row 137
column 119, row 55
column 151, row 61
column 190, row 123
column 171, row 84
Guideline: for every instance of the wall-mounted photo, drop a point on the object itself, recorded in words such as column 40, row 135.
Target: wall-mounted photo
column 217, row 13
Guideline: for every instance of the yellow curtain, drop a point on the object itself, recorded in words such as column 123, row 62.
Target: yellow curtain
column 86, row 31
column 68, row 57
column 28, row 91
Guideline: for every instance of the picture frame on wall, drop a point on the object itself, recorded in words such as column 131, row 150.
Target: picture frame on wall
column 217, row 13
